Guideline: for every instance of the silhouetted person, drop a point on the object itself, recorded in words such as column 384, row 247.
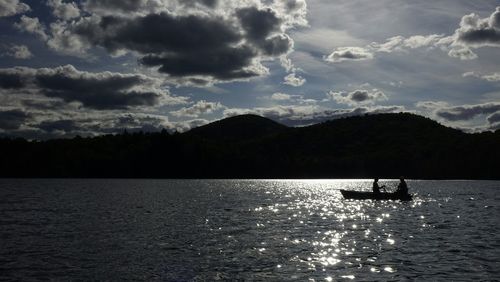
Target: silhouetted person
column 402, row 187
column 376, row 188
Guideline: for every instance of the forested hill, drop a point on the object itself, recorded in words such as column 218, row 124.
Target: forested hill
column 249, row 146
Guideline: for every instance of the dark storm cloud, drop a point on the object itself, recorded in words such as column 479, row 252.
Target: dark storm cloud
column 226, row 63
column 208, row 3
column 467, row 112
column 158, row 33
column 480, row 36
column 260, row 25
column 356, row 97
column 141, row 6
column 95, row 91
column 494, row 118
column 114, row 5
column 13, row 119
column 58, row 125
column 360, row 96
column 100, row 91
column 50, row 105
column 480, row 32
column 179, row 45
column 105, row 100
column 494, row 127
column 11, row 80
column 277, row 45
column 191, row 41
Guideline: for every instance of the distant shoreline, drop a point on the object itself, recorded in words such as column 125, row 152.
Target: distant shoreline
column 249, row 179
column 249, row 146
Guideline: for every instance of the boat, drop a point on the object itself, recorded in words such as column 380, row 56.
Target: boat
column 358, row 195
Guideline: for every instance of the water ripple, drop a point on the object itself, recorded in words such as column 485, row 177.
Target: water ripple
column 246, row 230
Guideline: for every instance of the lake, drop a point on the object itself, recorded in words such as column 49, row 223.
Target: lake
column 185, row 230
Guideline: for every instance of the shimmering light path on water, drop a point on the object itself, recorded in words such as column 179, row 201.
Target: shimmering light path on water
column 246, row 229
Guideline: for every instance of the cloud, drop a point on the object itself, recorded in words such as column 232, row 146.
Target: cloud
column 400, row 43
column 278, row 113
column 294, row 80
column 96, row 123
column 104, row 90
column 281, row 97
column 290, row 99
column 92, row 125
column 464, row 117
column 10, row 79
column 65, row 42
column 263, row 29
column 132, row 122
column 319, row 39
column 31, row 25
column 13, row 119
column 310, row 114
column 65, row 126
column 114, row 7
column 494, row 118
column 183, row 126
column 463, row 53
column 70, row 124
column 199, row 108
column 431, row 105
column 494, row 127
column 287, row 64
column 12, row 7
column 465, row 112
column 18, row 51
column 341, row 54
column 135, row 122
column 140, row 122
column 357, row 97
column 473, row 32
column 64, row 10
column 493, row 77
column 191, row 42
column 202, row 46
column 477, row 32
column 403, row 44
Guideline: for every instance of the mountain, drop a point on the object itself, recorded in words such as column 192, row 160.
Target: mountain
column 238, row 128
column 249, row 146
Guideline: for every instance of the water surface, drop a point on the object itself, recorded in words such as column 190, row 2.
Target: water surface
column 183, row 230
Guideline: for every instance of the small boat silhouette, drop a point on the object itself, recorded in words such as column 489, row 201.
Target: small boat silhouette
column 358, row 195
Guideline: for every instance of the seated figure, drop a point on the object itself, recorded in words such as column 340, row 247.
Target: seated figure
column 402, row 187
column 375, row 187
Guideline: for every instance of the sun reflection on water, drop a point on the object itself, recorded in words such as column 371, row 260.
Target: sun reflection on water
column 330, row 234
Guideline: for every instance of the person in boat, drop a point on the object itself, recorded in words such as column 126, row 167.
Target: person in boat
column 402, row 187
column 376, row 188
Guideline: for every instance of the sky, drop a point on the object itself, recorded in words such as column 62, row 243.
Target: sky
column 94, row 67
